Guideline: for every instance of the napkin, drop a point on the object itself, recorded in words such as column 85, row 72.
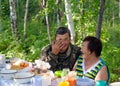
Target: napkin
column 42, row 64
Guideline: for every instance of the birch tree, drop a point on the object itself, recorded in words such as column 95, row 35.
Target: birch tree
column 69, row 20
column 119, row 9
column 98, row 30
column 47, row 21
column 0, row 17
column 82, row 18
column 13, row 18
column 25, row 19
column 113, row 16
column 59, row 13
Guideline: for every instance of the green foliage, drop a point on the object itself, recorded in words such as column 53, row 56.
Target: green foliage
column 4, row 7
column 111, row 55
column 111, row 49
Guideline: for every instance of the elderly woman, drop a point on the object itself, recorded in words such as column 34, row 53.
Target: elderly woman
column 90, row 65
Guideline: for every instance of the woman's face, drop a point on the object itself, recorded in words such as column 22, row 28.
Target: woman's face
column 84, row 49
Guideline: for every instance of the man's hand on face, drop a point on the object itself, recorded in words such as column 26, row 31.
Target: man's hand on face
column 57, row 46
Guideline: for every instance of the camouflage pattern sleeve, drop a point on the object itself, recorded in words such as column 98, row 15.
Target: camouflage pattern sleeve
column 48, row 56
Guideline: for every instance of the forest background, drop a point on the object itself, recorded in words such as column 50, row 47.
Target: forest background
column 27, row 26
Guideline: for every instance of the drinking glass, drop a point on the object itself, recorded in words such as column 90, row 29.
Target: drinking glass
column 65, row 71
column 2, row 61
column 64, row 74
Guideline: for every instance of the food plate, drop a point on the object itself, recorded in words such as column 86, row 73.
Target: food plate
column 20, row 64
column 23, row 77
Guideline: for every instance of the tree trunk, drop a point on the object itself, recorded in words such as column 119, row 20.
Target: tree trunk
column 119, row 9
column 13, row 18
column 101, row 11
column 69, row 20
column 48, row 27
column 0, row 25
column 59, row 13
column 83, row 8
column 0, row 18
column 113, row 17
column 47, row 21
column 25, row 19
column 82, row 19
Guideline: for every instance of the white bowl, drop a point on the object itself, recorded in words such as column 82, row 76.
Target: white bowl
column 7, row 74
column 23, row 77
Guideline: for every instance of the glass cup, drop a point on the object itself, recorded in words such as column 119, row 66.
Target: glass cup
column 2, row 61
column 65, row 71
column 13, row 60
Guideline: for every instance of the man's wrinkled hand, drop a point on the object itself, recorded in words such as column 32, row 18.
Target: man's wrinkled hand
column 56, row 46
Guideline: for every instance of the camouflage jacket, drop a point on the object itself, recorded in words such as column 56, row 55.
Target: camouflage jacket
column 62, row 60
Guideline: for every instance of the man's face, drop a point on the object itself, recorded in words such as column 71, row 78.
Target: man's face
column 64, row 40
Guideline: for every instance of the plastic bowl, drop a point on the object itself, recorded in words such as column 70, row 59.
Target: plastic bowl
column 7, row 74
column 23, row 77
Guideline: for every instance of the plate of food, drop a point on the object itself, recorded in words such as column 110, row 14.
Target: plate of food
column 20, row 64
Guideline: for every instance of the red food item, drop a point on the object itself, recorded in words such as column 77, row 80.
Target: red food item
column 23, row 65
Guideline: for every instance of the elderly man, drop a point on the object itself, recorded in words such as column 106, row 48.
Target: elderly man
column 61, row 53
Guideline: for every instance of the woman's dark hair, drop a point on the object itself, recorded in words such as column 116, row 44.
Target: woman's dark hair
column 94, row 45
column 62, row 30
